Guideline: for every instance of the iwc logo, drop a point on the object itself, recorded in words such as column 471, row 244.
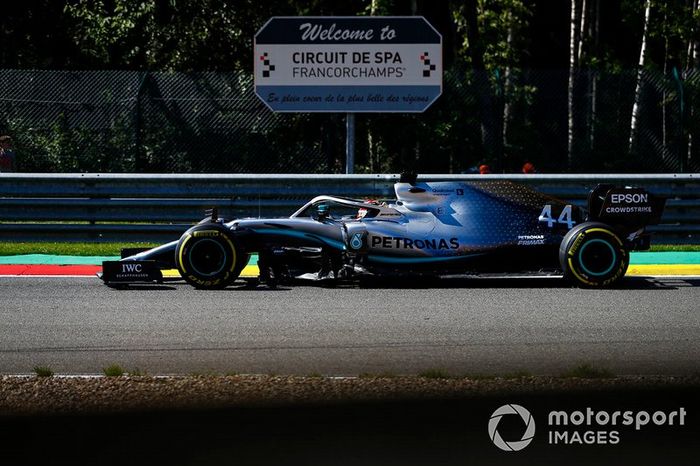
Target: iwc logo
column 516, row 445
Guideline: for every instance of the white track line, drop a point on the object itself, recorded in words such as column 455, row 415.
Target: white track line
column 489, row 277
column 167, row 376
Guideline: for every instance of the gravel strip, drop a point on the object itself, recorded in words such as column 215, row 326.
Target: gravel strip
column 60, row 395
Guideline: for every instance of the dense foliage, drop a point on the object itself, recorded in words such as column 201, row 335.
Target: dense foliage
column 525, row 80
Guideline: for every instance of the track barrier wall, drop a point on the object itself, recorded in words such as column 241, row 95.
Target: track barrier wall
column 159, row 207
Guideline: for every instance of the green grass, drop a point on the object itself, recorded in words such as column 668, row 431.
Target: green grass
column 517, row 375
column 113, row 249
column 136, row 372
column 381, row 375
column 588, row 371
column 675, row 247
column 205, row 373
column 43, row 371
column 479, row 376
column 441, row 374
column 435, row 374
column 115, row 370
column 69, row 249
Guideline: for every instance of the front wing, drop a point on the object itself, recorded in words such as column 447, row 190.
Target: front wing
column 126, row 272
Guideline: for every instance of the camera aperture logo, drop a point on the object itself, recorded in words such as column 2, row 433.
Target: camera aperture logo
column 527, row 418
column 581, row 427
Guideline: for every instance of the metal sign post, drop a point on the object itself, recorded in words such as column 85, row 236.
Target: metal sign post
column 349, row 143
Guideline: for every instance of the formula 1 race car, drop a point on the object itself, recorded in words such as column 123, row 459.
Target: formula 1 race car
column 431, row 228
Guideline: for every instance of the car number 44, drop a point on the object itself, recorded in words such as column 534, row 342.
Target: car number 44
column 563, row 219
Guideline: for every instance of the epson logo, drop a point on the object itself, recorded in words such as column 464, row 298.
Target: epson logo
column 636, row 198
column 132, row 268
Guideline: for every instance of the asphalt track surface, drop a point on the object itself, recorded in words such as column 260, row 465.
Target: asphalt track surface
column 477, row 326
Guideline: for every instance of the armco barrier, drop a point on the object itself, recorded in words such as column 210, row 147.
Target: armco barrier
column 145, row 207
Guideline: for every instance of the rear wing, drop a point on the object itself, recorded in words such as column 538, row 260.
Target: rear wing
column 627, row 207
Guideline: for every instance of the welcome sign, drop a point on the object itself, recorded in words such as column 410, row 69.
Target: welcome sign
column 348, row 64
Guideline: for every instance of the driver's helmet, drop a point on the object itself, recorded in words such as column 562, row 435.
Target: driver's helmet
column 324, row 211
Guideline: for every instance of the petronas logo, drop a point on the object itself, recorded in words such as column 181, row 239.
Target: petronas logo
column 356, row 241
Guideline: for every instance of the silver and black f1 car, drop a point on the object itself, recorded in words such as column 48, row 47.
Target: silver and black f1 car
column 431, row 228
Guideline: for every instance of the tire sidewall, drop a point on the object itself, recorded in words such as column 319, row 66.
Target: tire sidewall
column 195, row 237
column 573, row 263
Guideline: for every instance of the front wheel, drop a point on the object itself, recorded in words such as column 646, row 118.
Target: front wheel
column 593, row 256
column 208, row 257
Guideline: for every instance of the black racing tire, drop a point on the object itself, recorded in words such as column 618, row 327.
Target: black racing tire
column 591, row 255
column 208, row 257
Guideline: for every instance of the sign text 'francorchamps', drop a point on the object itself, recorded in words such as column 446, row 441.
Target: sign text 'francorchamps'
column 348, row 64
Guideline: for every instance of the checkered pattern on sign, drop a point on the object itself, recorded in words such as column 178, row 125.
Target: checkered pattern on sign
column 267, row 67
column 429, row 68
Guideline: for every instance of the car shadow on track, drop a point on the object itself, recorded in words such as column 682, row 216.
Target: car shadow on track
column 154, row 287
column 667, row 283
column 628, row 283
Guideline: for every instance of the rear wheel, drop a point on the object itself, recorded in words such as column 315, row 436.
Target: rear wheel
column 208, row 257
column 592, row 255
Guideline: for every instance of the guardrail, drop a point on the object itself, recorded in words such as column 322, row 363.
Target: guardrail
column 145, row 207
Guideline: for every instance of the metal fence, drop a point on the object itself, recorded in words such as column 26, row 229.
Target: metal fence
column 211, row 122
column 123, row 121
column 118, row 207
